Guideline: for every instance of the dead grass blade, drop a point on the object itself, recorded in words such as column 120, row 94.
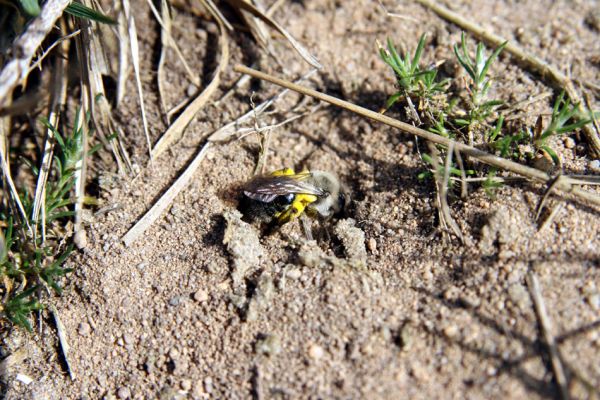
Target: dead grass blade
column 124, row 51
column 97, row 64
column 15, row 71
column 216, row 13
column 62, row 340
column 305, row 54
column 165, row 24
column 229, row 131
column 133, row 43
column 547, row 334
column 547, row 72
column 8, row 177
column 12, row 360
column 164, row 45
column 256, row 26
column 175, row 131
column 58, row 99
column 83, row 46
column 166, row 199
column 41, row 58
column 487, row 158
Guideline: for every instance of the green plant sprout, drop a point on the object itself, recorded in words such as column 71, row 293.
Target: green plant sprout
column 480, row 83
column 26, row 260
column 562, row 113
column 411, row 79
column 454, row 171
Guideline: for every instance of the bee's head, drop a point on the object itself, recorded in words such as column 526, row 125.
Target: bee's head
column 337, row 194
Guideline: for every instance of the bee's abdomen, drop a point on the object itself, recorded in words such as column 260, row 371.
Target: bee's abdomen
column 255, row 210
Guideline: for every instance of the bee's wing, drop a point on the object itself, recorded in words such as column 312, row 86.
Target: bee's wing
column 266, row 188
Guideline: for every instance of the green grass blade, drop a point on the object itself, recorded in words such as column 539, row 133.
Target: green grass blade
column 31, row 7
column 418, row 53
column 490, row 60
column 81, row 11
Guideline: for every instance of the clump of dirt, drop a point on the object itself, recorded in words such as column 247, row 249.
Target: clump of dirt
column 243, row 244
column 353, row 240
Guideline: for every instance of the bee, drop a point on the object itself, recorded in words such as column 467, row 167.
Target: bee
column 285, row 195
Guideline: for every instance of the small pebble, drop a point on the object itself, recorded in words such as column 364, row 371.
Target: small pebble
column 270, row 345
column 127, row 338
column 84, row 329
column 594, row 300
column 201, row 296
column 293, row 273
column 24, row 378
column 372, row 245
column 175, row 301
column 569, row 142
column 191, row 90
column 316, row 352
column 124, row 393
column 186, row 385
column 208, row 384
column 451, row 331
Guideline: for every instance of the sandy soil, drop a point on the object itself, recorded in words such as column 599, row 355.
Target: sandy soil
column 389, row 307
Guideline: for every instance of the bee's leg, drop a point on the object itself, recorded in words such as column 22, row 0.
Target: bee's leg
column 306, row 225
column 296, row 208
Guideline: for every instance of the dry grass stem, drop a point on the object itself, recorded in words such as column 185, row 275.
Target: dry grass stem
column 166, row 199
column 175, row 131
column 396, row 15
column 62, row 340
column 216, row 13
column 15, row 71
column 229, row 131
column 13, row 190
column 58, row 99
column 551, row 217
column 133, row 44
column 487, row 158
column 546, row 71
column 305, row 54
column 165, row 24
column 547, row 334
column 124, row 51
column 464, row 185
column 161, row 79
column 41, row 58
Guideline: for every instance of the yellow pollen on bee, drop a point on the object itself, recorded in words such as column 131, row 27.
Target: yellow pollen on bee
column 296, row 208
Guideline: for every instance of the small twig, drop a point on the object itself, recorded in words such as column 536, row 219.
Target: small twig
column 62, row 339
column 547, row 335
column 464, row 191
column 555, row 211
column 487, row 158
column 546, row 71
